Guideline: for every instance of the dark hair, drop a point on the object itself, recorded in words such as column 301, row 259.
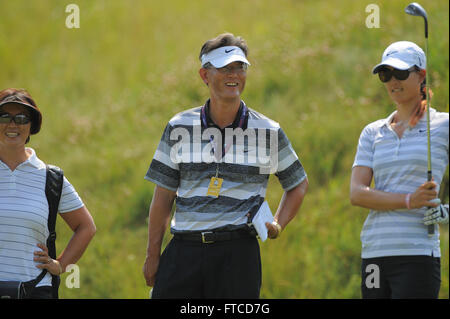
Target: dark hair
column 223, row 40
column 22, row 96
column 422, row 106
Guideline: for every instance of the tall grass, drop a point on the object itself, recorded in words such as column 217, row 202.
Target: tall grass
column 106, row 91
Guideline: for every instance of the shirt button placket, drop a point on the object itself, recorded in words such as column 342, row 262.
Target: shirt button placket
column 397, row 140
column 398, row 147
column 12, row 184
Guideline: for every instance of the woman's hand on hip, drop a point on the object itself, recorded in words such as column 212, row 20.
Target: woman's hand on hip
column 46, row 262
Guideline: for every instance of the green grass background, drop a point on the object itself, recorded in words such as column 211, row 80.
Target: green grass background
column 107, row 90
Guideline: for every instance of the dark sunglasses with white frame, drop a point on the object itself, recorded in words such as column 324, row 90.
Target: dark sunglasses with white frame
column 386, row 74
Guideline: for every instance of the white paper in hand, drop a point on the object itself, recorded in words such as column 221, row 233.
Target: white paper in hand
column 259, row 221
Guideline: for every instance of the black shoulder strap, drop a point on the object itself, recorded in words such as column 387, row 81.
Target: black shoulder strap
column 53, row 190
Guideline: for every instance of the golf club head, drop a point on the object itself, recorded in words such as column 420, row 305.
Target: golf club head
column 416, row 9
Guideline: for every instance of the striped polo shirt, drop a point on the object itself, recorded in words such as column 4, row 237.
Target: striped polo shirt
column 24, row 215
column 185, row 161
column 400, row 166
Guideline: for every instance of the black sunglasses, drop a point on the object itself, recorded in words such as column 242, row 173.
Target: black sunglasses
column 19, row 119
column 386, row 74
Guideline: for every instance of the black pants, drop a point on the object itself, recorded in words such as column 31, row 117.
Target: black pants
column 226, row 269
column 401, row 277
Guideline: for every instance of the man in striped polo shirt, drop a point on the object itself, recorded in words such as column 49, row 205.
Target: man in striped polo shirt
column 214, row 161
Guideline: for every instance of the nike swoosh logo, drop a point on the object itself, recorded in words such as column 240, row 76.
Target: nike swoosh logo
column 421, row 131
column 228, row 51
column 390, row 53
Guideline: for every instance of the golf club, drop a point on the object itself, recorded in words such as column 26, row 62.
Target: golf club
column 416, row 9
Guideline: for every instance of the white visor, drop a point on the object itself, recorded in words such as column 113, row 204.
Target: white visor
column 223, row 56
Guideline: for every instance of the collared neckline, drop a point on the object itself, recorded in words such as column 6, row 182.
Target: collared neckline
column 387, row 121
column 236, row 121
column 32, row 160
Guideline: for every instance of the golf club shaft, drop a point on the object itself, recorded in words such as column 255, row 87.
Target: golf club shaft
column 431, row 228
column 416, row 9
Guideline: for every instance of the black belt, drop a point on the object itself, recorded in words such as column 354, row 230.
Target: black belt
column 209, row 237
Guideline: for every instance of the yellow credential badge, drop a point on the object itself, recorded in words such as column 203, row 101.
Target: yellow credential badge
column 214, row 186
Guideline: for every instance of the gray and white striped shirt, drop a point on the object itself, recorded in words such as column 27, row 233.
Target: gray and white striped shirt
column 24, row 215
column 400, row 166
column 245, row 174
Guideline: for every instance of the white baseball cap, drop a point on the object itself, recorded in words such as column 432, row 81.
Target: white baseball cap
column 224, row 55
column 402, row 55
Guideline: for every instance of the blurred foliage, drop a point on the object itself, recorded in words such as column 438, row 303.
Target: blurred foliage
column 107, row 90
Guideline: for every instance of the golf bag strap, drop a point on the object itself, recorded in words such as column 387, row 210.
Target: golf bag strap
column 29, row 285
column 53, row 189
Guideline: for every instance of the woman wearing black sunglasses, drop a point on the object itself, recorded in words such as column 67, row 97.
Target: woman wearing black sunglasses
column 399, row 258
column 23, row 203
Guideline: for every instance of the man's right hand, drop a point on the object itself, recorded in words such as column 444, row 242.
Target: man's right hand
column 158, row 220
column 149, row 269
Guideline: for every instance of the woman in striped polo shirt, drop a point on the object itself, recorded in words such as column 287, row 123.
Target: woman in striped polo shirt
column 399, row 257
column 23, row 203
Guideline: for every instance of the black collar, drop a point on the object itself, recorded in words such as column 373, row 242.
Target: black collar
column 233, row 125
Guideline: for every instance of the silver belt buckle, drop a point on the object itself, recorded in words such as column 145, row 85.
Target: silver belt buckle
column 204, row 241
